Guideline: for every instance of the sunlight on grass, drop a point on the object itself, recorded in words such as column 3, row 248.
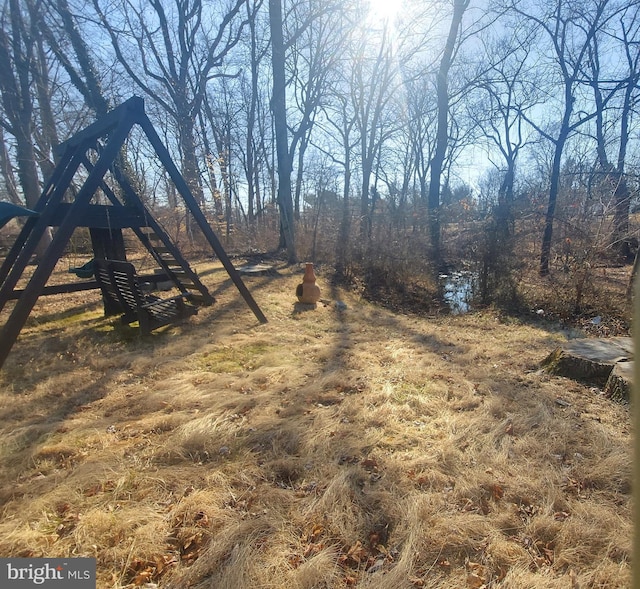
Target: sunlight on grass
column 360, row 448
column 231, row 359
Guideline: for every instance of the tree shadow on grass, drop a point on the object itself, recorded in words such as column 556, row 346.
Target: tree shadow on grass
column 58, row 316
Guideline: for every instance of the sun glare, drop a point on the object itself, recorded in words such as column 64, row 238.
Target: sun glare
column 384, row 10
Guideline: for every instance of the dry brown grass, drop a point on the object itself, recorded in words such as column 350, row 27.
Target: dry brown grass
column 328, row 448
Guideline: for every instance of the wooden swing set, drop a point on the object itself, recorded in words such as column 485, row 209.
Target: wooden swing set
column 121, row 287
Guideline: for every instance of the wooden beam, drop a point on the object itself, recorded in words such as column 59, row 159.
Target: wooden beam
column 33, row 230
column 198, row 215
column 13, row 326
column 56, row 289
column 103, row 125
column 101, row 217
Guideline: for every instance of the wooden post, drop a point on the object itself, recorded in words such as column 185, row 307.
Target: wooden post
column 11, row 330
column 198, row 215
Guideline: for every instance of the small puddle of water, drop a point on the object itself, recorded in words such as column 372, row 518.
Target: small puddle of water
column 458, row 289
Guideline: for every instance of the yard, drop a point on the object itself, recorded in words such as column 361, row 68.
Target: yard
column 343, row 446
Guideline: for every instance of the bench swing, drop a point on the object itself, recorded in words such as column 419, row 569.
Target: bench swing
column 123, row 290
column 123, row 294
column 129, row 295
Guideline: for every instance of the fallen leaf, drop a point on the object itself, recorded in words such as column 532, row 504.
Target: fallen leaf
column 317, row 531
column 142, row 578
column 295, row 560
column 383, row 550
column 357, row 553
column 475, row 581
column 497, row 492
column 549, row 555
column 477, row 576
column 369, row 464
column 201, row 519
column 312, row 549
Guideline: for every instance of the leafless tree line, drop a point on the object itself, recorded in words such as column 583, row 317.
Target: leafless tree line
column 304, row 106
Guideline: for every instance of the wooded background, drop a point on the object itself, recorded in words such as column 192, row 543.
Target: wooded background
column 494, row 132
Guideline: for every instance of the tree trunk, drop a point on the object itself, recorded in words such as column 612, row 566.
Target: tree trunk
column 48, row 136
column 89, row 84
column 27, row 170
column 442, row 133
column 189, row 165
column 279, row 108
column 505, row 202
column 7, row 172
column 251, row 163
column 365, row 209
column 343, row 234
column 189, row 158
column 16, row 64
column 622, row 200
column 547, row 234
column 615, row 173
column 554, row 180
column 304, row 142
column 554, row 188
column 210, row 159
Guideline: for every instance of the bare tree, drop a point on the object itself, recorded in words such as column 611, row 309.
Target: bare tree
column 569, row 28
column 421, row 127
column 19, row 70
column 442, row 132
column 373, row 79
column 306, row 49
column 46, row 134
column 257, row 52
column 16, row 77
column 505, row 92
column 601, row 82
column 339, row 130
column 171, row 51
column 221, row 112
column 279, row 108
column 66, row 40
column 318, row 40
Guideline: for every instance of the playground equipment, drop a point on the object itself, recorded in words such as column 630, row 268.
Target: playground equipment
column 102, row 142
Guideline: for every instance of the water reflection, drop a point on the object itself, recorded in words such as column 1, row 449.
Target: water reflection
column 458, row 289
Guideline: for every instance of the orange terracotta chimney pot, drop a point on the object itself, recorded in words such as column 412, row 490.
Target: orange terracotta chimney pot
column 308, row 292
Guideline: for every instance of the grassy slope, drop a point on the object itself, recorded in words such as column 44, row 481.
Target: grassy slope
column 327, row 448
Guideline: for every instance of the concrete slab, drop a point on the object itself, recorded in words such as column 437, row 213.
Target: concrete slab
column 602, row 350
column 589, row 359
column 256, row 269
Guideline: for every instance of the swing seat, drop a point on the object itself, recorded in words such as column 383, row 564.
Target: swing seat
column 122, row 295
column 85, row 271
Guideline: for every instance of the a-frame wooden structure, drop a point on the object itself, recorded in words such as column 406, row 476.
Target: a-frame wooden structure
column 105, row 138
